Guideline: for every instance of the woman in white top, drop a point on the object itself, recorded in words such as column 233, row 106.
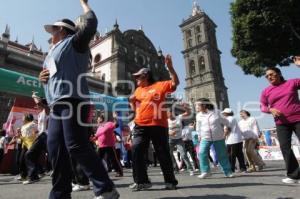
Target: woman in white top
column 250, row 132
column 234, row 141
column 210, row 124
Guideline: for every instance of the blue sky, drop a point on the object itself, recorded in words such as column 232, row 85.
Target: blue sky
column 160, row 20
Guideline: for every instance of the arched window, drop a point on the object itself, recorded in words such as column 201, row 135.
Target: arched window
column 201, row 62
column 97, row 58
column 192, row 67
column 188, row 33
column 199, row 39
column 190, row 43
column 198, row 30
column 141, row 60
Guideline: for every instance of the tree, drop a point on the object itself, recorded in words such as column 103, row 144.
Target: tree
column 265, row 32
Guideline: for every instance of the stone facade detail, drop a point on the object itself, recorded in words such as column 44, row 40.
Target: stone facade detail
column 117, row 55
column 204, row 77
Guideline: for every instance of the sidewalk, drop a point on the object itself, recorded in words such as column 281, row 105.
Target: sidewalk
column 260, row 185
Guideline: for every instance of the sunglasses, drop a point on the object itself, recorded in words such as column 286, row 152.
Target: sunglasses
column 270, row 75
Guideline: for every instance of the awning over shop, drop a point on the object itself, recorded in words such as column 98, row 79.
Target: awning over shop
column 23, row 85
column 19, row 84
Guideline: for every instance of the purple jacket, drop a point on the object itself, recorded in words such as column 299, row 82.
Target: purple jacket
column 283, row 97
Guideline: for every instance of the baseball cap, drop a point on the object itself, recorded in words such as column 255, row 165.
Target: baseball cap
column 142, row 71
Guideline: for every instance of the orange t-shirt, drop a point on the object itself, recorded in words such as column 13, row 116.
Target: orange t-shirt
column 150, row 106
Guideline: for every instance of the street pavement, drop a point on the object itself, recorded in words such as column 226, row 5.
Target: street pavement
column 259, row 185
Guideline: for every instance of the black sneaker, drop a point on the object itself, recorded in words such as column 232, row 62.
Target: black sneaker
column 140, row 187
column 170, row 186
column 30, row 181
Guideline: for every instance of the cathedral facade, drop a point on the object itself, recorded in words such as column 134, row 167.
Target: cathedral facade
column 117, row 55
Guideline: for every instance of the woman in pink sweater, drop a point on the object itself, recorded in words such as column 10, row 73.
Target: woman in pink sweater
column 281, row 100
column 106, row 142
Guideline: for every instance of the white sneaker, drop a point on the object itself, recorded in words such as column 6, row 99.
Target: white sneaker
column 81, row 188
column 30, row 181
column 19, row 178
column 192, row 173
column 290, row 181
column 204, row 175
column 230, row 175
column 114, row 194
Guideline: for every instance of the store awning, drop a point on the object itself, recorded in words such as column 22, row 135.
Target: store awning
column 19, row 84
column 23, row 85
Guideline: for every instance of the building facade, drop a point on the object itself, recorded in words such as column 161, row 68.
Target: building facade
column 117, row 55
column 25, row 59
column 204, row 77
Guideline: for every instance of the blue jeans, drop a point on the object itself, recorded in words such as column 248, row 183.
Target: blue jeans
column 67, row 138
column 221, row 152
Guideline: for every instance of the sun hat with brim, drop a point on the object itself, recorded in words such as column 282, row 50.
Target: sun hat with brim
column 227, row 110
column 66, row 23
column 142, row 71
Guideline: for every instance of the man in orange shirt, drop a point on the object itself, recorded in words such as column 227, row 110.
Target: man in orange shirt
column 148, row 102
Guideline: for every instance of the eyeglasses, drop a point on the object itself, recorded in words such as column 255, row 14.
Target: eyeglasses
column 270, row 75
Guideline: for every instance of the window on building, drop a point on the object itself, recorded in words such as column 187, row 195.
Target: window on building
column 190, row 43
column 192, row 67
column 199, row 39
column 188, row 33
column 141, row 60
column 201, row 62
column 198, row 30
column 97, row 58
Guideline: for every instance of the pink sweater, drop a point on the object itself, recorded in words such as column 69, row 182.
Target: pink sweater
column 105, row 135
column 283, row 97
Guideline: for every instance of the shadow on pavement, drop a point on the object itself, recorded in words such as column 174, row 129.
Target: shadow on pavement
column 209, row 197
column 228, row 185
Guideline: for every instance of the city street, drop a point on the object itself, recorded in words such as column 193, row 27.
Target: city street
column 265, row 185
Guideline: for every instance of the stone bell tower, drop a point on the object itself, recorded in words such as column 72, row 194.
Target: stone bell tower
column 204, row 77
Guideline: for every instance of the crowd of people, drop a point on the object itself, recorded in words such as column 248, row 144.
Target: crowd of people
column 181, row 140
column 187, row 145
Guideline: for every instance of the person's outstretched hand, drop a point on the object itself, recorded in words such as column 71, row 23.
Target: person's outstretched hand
column 44, row 76
column 168, row 61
